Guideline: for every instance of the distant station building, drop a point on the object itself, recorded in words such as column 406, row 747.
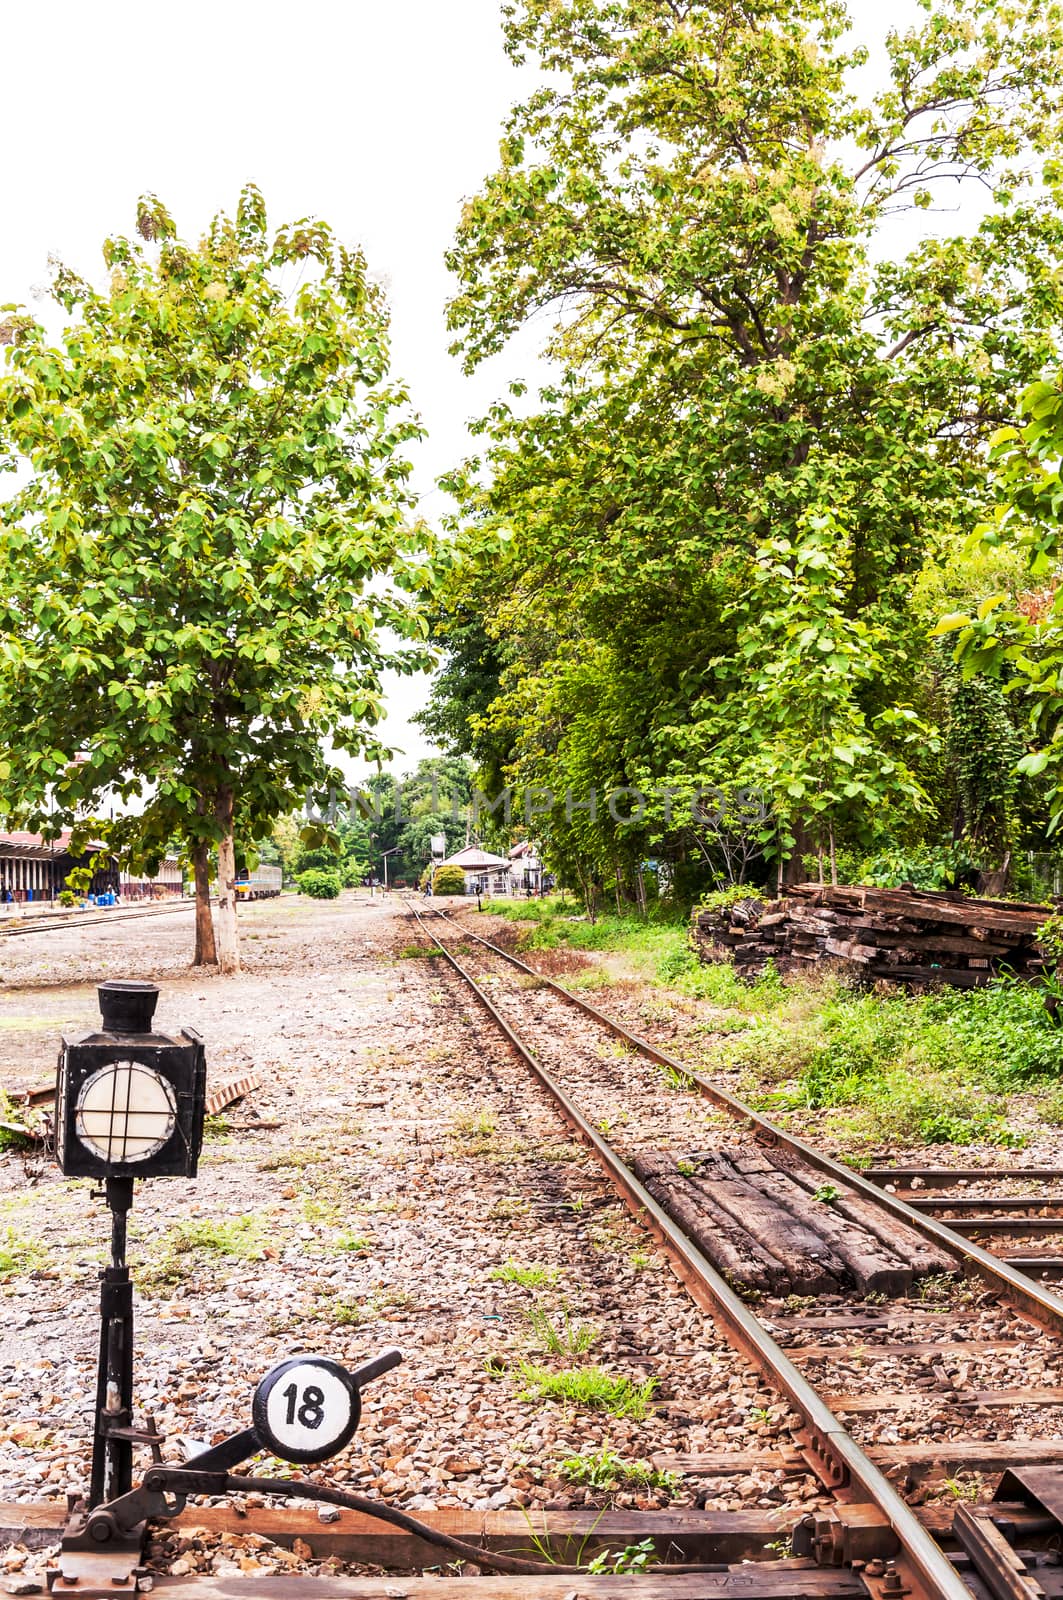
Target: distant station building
column 484, row 873
column 34, row 869
column 526, row 868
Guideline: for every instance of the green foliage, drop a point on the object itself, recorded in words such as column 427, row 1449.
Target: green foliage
column 18, row 1254
column 529, row 1277
column 735, row 894
column 357, row 1244
column 923, row 866
column 929, row 1068
column 633, row 1558
column 67, row 897
column 691, row 560
column 605, row 1469
column 559, row 1334
column 320, row 885
column 592, row 1387
column 448, row 880
column 208, row 535
column 181, row 1250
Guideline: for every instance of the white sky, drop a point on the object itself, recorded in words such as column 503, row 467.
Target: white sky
column 379, row 117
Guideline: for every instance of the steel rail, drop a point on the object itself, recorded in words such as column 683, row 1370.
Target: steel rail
column 1037, row 1302
column 50, row 924
column 850, row 1468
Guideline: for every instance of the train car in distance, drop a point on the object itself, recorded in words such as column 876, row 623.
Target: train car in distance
column 262, row 884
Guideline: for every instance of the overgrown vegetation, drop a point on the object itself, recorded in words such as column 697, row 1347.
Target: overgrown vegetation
column 934, row 1068
column 558, row 1333
column 588, row 1386
column 182, row 1248
column 605, row 1469
column 19, row 1254
column 532, row 1276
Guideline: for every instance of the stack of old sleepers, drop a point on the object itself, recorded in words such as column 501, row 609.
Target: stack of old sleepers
column 767, row 1221
column 915, row 937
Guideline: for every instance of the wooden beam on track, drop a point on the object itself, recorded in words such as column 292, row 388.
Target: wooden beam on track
column 781, row 1580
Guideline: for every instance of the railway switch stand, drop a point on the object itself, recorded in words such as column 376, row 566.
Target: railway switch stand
column 306, row 1409
column 129, row 1104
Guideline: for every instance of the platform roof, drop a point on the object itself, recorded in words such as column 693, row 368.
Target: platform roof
column 473, row 859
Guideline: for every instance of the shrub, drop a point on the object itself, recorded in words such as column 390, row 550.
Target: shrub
column 319, row 885
column 67, row 897
column 448, row 880
column 735, row 894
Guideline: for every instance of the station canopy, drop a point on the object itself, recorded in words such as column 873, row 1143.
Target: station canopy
column 473, row 859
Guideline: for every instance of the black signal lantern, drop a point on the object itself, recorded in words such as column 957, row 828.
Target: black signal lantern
column 129, row 1102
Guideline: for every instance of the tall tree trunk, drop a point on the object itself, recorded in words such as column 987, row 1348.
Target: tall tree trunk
column 228, row 941
column 206, row 953
column 793, row 869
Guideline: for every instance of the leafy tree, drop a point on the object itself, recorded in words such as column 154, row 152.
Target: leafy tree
column 209, row 533
column 402, row 814
column 448, row 880
column 1023, row 642
column 765, row 421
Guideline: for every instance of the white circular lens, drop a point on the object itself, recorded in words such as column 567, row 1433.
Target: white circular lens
column 125, row 1112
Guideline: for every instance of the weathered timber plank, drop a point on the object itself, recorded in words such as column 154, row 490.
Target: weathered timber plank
column 959, row 977
column 924, row 1257
column 921, row 1399
column 836, row 1352
column 870, row 1265
column 679, row 1535
column 851, row 950
column 861, row 1322
column 811, row 1266
column 780, row 1580
column 688, row 1535
column 978, row 1455
column 727, row 1245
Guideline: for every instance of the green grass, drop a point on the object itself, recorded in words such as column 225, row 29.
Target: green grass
column 474, row 1126
column 558, row 1334
column 352, row 1243
column 19, row 1254
column 933, row 1068
column 530, row 1277
column 605, row 1469
column 591, row 1387
column 179, row 1252
column 549, row 925
column 926, row 1069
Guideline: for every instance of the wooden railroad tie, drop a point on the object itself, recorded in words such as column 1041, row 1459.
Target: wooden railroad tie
column 774, row 1225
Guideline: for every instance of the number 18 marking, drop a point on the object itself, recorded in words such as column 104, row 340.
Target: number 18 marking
column 311, row 1414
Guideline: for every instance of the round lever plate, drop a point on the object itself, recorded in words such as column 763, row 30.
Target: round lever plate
column 306, row 1409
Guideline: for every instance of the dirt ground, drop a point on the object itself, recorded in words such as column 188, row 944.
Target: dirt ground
column 412, row 1168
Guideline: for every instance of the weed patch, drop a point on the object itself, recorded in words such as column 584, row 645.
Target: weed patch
column 605, row 1469
column 911, row 1068
column 19, row 1254
column 592, row 1387
column 239, row 1239
column 558, row 1334
column 530, row 1277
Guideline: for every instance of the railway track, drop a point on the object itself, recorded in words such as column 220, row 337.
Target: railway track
column 932, row 1374
column 53, row 924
